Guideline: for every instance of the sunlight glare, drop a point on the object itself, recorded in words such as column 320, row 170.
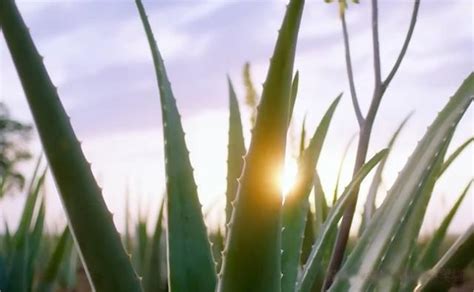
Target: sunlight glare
column 288, row 177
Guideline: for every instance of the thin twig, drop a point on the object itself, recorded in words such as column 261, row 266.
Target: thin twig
column 375, row 43
column 405, row 44
column 350, row 75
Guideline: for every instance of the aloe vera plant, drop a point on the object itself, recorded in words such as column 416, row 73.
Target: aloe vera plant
column 270, row 244
column 91, row 222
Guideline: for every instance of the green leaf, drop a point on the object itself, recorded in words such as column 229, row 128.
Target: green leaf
column 235, row 151
column 450, row 266
column 296, row 205
column 35, row 239
column 369, row 206
column 321, row 205
column 326, row 236
column 153, row 278
column 380, row 254
column 190, row 263
column 430, row 253
column 59, row 255
column 308, row 237
column 253, row 247
column 141, row 240
column 294, row 93
column 88, row 216
column 454, row 155
column 29, row 208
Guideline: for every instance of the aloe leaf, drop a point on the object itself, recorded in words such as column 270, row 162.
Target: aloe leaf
column 303, row 137
column 339, row 171
column 90, row 221
column 430, row 253
column 381, row 252
column 29, row 208
column 235, row 151
column 153, row 278
column 48, row 279
column 327, row 233
column 217, row 239
column 308, row 237
column 141, row 238
column 454, row 155
column 253, row 247
column 128, row 237
column 7, row 239
column 450, row 266
column 35, row 239
column 67, row 277
column 190, row 263
column 320, row 203
column 369, row 206
column 26, row 239
column 296, row 205
column 294, row 93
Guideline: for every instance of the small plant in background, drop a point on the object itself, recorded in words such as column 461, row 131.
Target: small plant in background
column 269, row 244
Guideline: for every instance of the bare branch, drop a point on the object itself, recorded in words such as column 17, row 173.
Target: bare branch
column 411, row 28
column 350, row 75
column 375, row 42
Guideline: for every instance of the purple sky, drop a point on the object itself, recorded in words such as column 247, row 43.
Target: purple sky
column 97, row 54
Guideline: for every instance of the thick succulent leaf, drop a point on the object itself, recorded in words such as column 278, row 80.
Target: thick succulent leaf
column 326, row 235
column 35, row 239
column 385, row 245
column 253, row 246
column 141, row 244
column 190, row 263
column 31, row 203
column 296, row 205
column 369, row 206
column 91, row 222
column 59, row 255
column 67, row 277
column 302, row 137
column 308, row 237
column 217, row 240
column 454, row 155
column 450, row 266
column 320, row 203
column 294, row 93
column 430, row 253
column 152, row 276
column 128, row 236
column 235, row 151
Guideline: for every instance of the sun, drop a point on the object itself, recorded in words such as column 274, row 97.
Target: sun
column 288, row 176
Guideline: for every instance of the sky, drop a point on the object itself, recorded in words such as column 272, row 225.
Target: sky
column 97, row 55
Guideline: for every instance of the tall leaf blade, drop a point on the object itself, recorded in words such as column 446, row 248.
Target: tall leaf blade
column 107, row 264
column 369, row 206
column 153, row 278
column 235, row 152
column 253, row 247
column 190, row 263
column 411, row 186
column 455, row 155
column 294, row 93
column 430, row 253
column 62, row 249
column 453, row 262
column 296, row 205
column 320, row 203
column 327, row 233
